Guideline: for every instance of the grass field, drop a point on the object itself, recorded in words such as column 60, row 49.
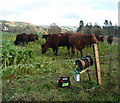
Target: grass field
column 36, row 75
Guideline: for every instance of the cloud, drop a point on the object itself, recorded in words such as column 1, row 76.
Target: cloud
column 71, row 16
column 62, row 12
column 20, row 6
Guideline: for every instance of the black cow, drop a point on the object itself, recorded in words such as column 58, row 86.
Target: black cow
column 21, row 38
column 110, row 39
column 25, row 38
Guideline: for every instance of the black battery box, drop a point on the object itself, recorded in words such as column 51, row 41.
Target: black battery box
column 64, row 82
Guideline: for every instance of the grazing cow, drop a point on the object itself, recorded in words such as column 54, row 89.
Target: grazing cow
column 99, row 38
column 110, row 39
column 25, row 38
column 102, row 38
column 46, row 36
column 55, row 41
column 36, row 36
column 32, row 37
column 21, row 38
column 80, row 41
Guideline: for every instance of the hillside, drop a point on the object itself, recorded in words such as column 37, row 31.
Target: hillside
column 16, row 26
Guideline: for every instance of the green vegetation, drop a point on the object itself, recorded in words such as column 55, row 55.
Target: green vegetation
column 36, row 76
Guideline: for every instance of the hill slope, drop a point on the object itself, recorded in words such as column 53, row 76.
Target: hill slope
column 16, row 26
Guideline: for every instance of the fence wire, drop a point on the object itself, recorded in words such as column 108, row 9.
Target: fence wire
column 56, row 61
column 92, row 73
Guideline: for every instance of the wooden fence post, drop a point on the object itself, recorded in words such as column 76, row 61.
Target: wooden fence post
column 97, row 64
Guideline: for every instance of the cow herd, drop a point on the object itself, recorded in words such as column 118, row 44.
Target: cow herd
column 73, row 41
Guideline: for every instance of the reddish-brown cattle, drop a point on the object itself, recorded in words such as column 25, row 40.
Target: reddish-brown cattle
column 110, row 39
column 36, row 36
column 100, row 38
column 32, row 37
column 80, row 41
column 46, row 36
column 55, row 41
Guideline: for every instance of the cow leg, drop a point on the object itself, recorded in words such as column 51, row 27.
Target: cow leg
column 21, row 43
column 73, row 51
column 55, row 51
column 110, row 43
column 81, row 53
column 68, row 52
column 76, row 50
column 90, row 45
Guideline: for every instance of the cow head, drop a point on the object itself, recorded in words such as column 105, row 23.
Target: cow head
column 102, row 38
column 15, row 42
column 93, row 39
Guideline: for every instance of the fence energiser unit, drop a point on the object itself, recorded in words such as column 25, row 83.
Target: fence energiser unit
column 64, row 82
column 81, row 65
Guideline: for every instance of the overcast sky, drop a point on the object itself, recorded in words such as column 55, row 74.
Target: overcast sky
column 61, row 12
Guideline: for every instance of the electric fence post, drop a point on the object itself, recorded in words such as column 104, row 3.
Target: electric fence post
column 97, row 64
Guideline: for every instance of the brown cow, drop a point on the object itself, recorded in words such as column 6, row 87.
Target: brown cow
column 102, row 38
column 80, row 41
column 110, row 39
column 25, row 38
column 99, row 38
column 21, row 38
column 36, row 36
column 46, row 36
column 32, row 37
column 55, row 41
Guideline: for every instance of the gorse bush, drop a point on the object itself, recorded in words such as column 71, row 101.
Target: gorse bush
column 12, row 55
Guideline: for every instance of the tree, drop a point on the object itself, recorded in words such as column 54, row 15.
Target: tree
column 87, row 25
column 110, row 23
column 106, row 23
column 96, row 25
column 81, row 25
column 86, row 30
column 53, row 29
column 91, row 25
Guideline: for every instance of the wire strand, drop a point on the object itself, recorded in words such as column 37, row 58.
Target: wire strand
column 56, row 61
